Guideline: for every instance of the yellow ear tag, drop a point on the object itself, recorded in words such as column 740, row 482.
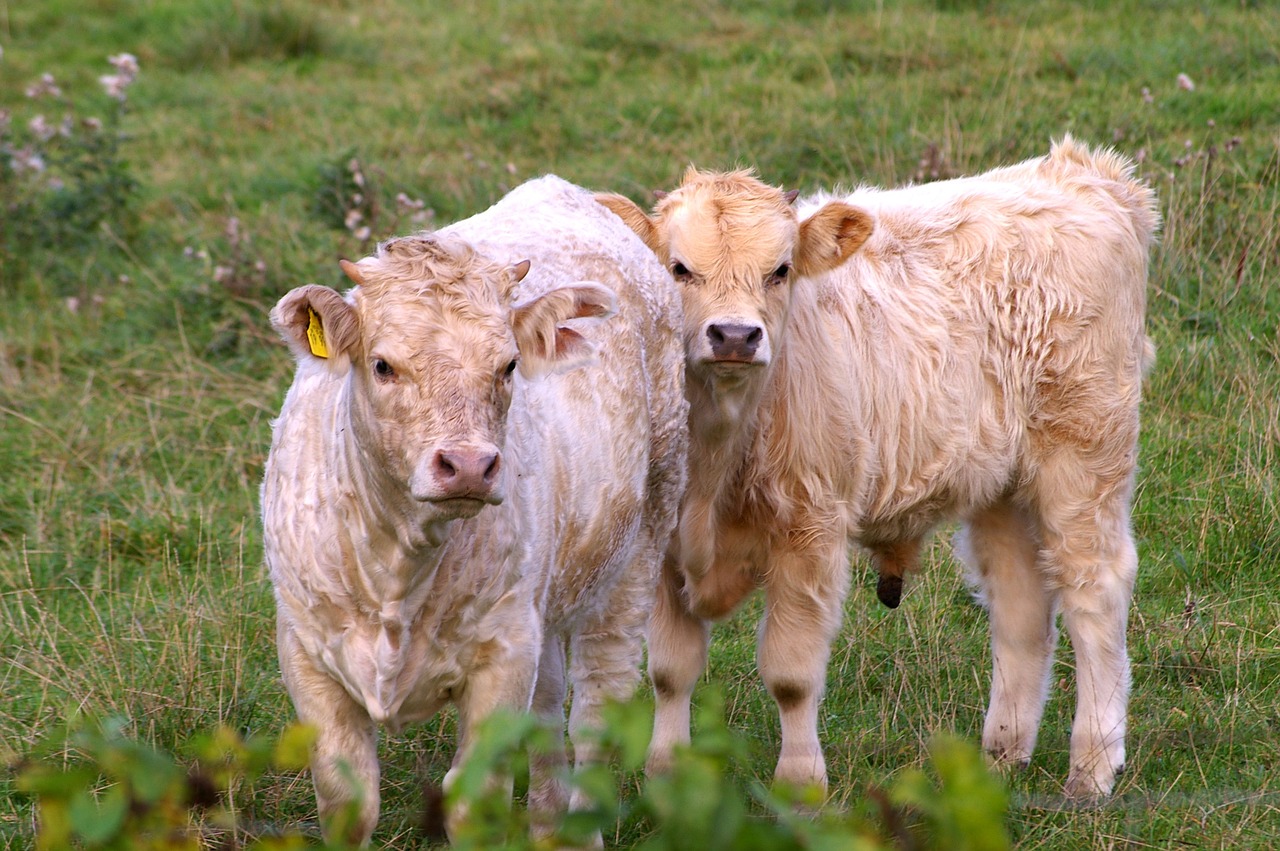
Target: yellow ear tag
column 315, row 335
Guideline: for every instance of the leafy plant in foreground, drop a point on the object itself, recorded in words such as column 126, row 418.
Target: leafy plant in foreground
column 121, row 794
column 706, row 802
column 124, row 795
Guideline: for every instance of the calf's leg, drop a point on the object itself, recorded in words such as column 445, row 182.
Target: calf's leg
column 804, row 597
column 1088, row 551
column 548, row 796
column 344, row 764
column 604, row 666
column 504, row 676
column 999, row 546
column 677, row 642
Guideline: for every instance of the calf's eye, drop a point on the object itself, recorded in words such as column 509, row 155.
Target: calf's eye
column 383, row 370
column 680, row 272
column 780, row 274
column 510, row 369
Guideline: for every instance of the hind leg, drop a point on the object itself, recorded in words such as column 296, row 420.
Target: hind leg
column 1089, row 552
column 548, row 796
column 999, row 545
column 604, row 666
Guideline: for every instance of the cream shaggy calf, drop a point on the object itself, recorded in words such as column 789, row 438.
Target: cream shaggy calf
column 862, row 367
column 452, row 509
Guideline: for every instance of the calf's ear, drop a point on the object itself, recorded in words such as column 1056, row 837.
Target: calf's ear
column 318, row 324
column 546, row 345
column 633, row 217
column 831, row 236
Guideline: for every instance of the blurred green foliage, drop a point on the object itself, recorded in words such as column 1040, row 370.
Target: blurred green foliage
column 116, row 793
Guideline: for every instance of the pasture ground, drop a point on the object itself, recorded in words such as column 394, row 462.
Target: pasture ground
column 138, row 374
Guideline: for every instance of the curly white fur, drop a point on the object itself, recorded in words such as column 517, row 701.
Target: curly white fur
column 439, row 529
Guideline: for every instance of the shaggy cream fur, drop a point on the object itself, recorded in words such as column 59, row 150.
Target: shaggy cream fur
column 970, row 349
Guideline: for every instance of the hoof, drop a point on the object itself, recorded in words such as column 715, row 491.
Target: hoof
column 658, row 764
column 1007, row 761
column 1087, row 790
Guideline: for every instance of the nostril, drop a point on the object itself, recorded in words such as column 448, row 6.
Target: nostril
column 446, row 466
column 716, row 335
column 754, row 337
column 491, row 471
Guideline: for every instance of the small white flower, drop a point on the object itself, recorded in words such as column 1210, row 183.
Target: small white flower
column 45, row 87
column 357, row 176
column 42, row 129
column 1147, row 96
column 114, row 85
column 221, row 273
column 353, row 219
column 404, row 203
column 1184, row 83
column 27, row 159
column 126, row 64
column 363, row 233
column 94, row 124
column 73, row 304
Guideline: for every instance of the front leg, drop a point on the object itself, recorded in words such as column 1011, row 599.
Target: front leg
column 505, row 668
column 678, row 641
column 804, row 596
column 699, row 584
column 344, row 762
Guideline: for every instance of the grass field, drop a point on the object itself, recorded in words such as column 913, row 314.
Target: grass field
column 138, row 374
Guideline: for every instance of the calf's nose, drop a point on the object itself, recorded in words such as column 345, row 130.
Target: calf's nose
column 734, row 342
column 465, row 473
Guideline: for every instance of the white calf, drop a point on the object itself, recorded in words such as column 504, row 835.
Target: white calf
column 449, row 505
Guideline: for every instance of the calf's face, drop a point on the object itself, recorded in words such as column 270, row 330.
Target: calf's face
column 735, row 246
column 429, row 344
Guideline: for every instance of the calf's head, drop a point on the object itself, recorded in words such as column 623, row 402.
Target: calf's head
column 735, row 246
column 429, row 344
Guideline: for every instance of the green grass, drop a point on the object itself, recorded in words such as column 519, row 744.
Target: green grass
column 133, row 428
